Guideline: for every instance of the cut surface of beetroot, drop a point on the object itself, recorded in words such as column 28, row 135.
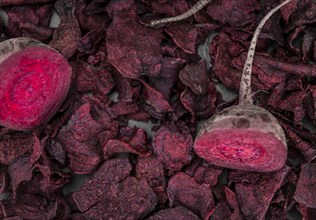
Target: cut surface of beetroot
column 33, row 84
column 242, row 149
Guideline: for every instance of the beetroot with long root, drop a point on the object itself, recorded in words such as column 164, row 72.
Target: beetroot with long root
column 34, row 81
column 245, row 137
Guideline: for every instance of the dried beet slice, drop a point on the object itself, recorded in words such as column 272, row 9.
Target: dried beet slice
column 15, row 146
column 133, row 200
column 34, row 83
column 174, row 213
column 173, row 146
column 68, row 32
column 99, row 187
column 133, row 49
column 254, row 198
column 304, row 193
column 184, row 191
column 79, row 137
column 184, row 35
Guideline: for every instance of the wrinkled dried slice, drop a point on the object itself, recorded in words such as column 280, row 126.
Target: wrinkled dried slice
column 173, row 146
column 204, row 172
column 184, row 191
column 38, row 15
column 310, row 101
column 173, row 8
column 15, row 146
column 99, row 187
column 20, row 170
column 307, row 213
column 21, row 2
column 40, row 33
column 68, row 32
column 79, row 137
column 133, row 200
column 232, row 201
column 194, row 75
column 174, row 213
column 288, row 9
column 29, row 207
column 184, row 35
column 304, row 193
column 233, row 13
column 90, row 21
column 139, row 53
column 155, row 100
column 168, row 76
column 254, row 198
column 89, row 78
column 200, row 106
column 304, row 147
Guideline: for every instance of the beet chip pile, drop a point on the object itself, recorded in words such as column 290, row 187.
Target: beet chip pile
column 90, row 161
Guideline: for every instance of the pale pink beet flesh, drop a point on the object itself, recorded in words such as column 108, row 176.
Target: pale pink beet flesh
column 242, row 149
column 34, row 81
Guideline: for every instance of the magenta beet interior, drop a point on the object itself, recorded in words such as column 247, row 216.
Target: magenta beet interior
column 241, row 149
column 33, row 84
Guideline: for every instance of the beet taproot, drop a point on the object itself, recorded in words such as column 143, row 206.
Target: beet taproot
column 245, row 137
column 34, row 81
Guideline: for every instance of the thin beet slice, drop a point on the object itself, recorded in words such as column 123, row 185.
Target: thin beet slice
column 34, row 81
column 174, row 213
column 306, row 186
column 184, row 191
column 245, row 137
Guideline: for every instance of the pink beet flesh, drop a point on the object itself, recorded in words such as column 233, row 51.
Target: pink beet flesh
column 242, row 149
column 33, row 84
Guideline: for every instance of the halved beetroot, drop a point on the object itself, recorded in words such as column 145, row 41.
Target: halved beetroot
column 34, row 81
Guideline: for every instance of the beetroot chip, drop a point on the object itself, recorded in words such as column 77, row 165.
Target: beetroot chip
column 184, row 35
column 307, row 213
column 173, row 145
column 133, row 49
column 133, row 200
column 79, row 137
column 100, row 186
column 184, row 191
column 171, row 8
column 304, row 193
column 194, row 75
column 204, row 172
column 14, row 147
column 90, row 78
column 174, row 213
column 255, row 197
column 29, row 207
column 155, row 101
column 151, row 170
column 234, row 13
column 68, row 32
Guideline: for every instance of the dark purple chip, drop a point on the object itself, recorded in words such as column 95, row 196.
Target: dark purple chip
column 100, row 186
column 132, row 199
column 254, row 197
column 173, row 145
column 306, row 186
column 174, row 213
column 184, row 191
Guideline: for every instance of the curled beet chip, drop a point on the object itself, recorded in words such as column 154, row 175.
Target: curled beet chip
column 173, row 145
column 79, row 137
column 184, row 191
column 174, row 213
column 254, row 197
column 34, row 81
column 304, row 193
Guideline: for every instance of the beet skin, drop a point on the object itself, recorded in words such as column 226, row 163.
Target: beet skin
column 34, row 81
